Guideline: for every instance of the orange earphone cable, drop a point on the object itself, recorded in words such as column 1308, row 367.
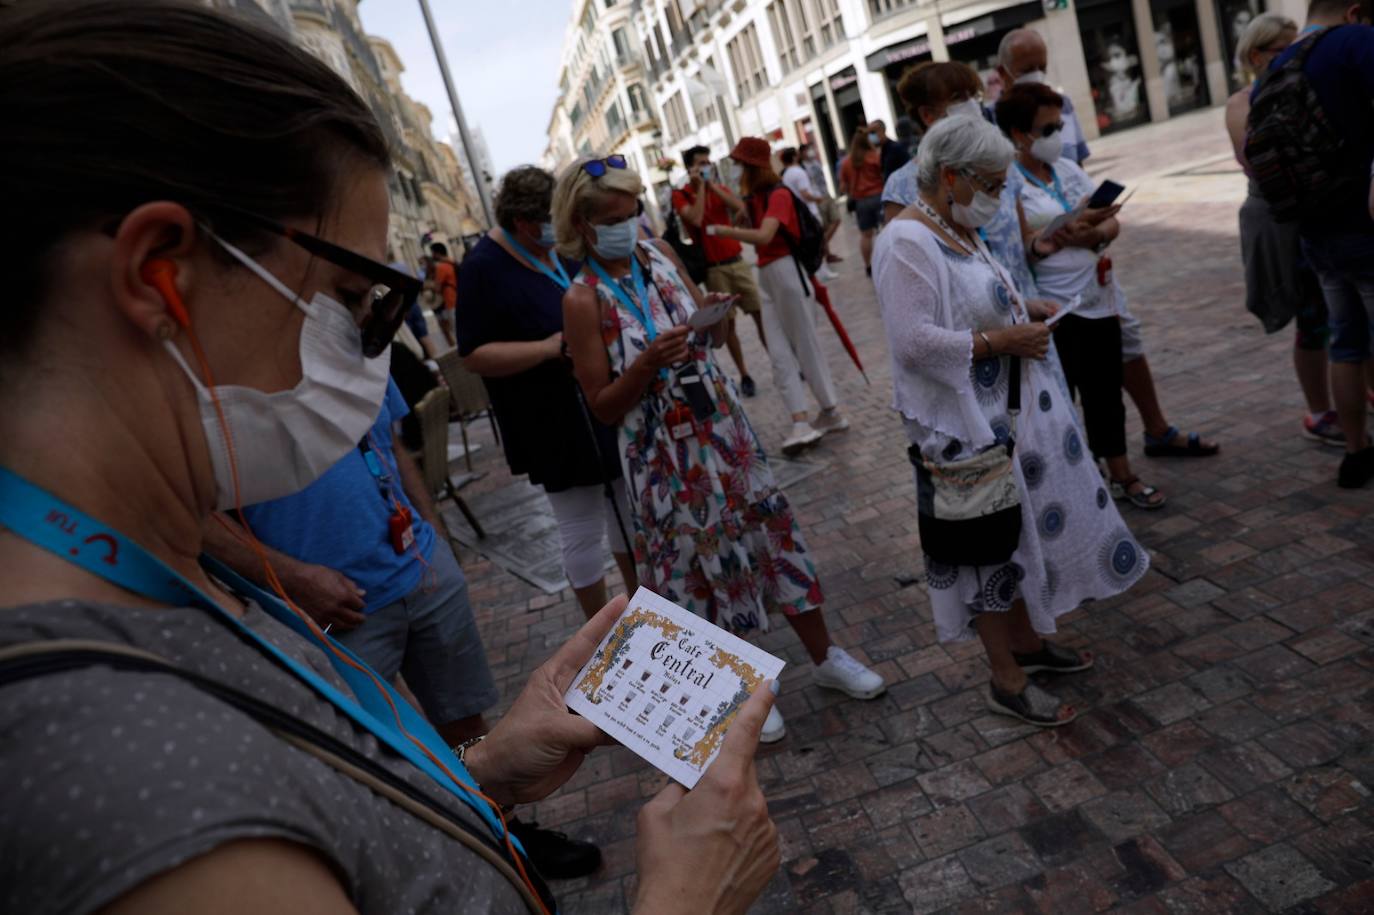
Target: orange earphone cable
column 251, row 540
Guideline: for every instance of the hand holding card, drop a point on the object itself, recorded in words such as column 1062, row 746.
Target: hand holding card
column 715, row 310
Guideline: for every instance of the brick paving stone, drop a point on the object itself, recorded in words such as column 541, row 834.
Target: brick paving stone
column 1279, row 876
column 947, row 829
column 1123, row 814
column 895, row 804
column 1066, row 787
column 1124, row 766
column 1171, row 703
column 1000, row 860
column 1178, row 743
column 1009, row 762
column 1328, row 793
column 1303, row 745
column 1202, row 841
column 1187, row 789
column 953, row 783
column 1344, row 850
column 1207, row 895
column 1145, row 866
column 937, row 884
column 1070, row 890
column 828, row 872
column 1006, row 808
column 1061, row 838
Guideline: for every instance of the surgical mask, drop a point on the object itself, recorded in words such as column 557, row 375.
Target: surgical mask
column 872, row 139
column 1048, row 149
column 547, row 238
column 1031, row 76
column 967, row 108
column 978, row 212
column 705, row 172
column 283, row 442
column 616, row 242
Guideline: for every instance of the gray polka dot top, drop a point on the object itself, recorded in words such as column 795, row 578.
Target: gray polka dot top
column 108, row 778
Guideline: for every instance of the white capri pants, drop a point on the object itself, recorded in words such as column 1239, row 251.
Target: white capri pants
column 789, row 315
column 586, row 524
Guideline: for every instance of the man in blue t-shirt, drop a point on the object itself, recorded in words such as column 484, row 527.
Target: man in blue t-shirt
column 356, row 550
column 1339, row 240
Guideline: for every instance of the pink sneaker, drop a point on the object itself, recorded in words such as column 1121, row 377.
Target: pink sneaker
column 1326, row 430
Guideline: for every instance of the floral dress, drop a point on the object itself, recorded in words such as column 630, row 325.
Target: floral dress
column 1074, row 547
column 712, row 531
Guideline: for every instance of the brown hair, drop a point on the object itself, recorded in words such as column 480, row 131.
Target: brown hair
column 526, row 193
column 110, row 104
column 1017, row 108
column 859, row 145
column 934, row 83
column 755, row 178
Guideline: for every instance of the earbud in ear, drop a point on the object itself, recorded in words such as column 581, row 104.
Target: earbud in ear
column 161, row 274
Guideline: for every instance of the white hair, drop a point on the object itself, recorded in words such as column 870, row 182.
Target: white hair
column 1009, row 40
column 961, row 143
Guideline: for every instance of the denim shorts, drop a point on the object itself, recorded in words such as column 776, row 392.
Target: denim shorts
column 1345, row 268
column 869, row 211
column 430, row 637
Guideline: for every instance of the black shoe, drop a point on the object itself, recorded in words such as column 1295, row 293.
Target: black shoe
column 746, row 386
column 868, row 271
column 553, row 854
column 1356, row 469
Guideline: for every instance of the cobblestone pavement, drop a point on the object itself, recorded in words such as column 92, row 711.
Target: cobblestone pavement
column 1222, row 762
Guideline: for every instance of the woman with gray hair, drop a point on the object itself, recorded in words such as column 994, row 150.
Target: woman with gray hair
column 1016, row 526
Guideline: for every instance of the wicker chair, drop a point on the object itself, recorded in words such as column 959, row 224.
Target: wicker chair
column 470, row 398
column 432, row 411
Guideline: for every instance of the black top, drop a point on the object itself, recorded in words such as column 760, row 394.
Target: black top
column 892, row 156
column 542, row 424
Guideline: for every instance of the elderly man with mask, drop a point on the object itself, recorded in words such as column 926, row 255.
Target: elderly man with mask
column 1023, row 57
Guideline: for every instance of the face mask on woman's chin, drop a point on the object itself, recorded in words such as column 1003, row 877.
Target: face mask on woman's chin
column 282, row 442
column 617, row 241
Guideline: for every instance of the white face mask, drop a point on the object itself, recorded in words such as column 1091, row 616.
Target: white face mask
column 977, row 212
column 283, row 442
column 1048, row 149
column 968, row 108
column 1031, row 76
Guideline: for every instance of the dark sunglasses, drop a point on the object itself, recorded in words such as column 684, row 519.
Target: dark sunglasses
column 1050, row 130
column 597, row 167
column 392, row 293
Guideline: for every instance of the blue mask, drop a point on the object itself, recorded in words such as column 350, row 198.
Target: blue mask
column 616, row 242
column 547, row 239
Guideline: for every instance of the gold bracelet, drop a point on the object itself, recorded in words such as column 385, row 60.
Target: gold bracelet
column 987, row 341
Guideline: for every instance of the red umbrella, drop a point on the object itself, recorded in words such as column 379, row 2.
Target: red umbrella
column 823, row 297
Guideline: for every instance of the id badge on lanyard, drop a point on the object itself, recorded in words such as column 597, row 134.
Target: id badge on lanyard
column 400, row 523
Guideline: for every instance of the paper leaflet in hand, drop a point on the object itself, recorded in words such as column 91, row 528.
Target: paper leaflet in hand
column 713, row 312
column 1071, row 306
column 667, row 684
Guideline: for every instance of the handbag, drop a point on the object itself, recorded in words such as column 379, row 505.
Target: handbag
column 969, row 511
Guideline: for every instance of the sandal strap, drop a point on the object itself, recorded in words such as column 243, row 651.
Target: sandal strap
column 1169, row 435
column 1051, row 654
column 1032, row 702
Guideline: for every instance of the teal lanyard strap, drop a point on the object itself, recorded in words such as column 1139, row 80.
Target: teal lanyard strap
column 47, row 522
column 1057, row 191
column 645, row 315
column 560, row 278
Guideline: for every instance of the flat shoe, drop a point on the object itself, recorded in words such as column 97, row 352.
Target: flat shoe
column 1032, row 705
column 1054, row 659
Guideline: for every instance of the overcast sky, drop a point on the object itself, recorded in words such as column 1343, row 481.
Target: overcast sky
column 503, row 55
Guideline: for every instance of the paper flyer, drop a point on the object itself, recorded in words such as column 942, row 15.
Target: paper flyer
column 667, row 684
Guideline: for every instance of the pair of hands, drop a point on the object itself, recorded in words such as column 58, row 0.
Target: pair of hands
column 1030, row 340
column 1083, row 232
column 674, row 344
column 710, row 849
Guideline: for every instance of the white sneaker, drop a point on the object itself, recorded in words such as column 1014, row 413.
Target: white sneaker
column 802, row 435
column 830, row 421
column 825, row 274
column 842, row 672
column 773, row 728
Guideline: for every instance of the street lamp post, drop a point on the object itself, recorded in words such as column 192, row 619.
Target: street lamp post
column 477, row 178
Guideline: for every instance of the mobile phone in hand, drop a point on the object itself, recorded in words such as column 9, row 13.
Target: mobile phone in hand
column 1105, row 195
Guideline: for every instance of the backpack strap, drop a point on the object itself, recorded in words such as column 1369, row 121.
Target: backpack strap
column 30, row 660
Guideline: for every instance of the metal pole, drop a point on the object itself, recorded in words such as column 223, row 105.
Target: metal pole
column 477, row 178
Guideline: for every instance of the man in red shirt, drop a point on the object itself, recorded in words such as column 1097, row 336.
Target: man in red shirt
column 703, row 202
column 445, row 278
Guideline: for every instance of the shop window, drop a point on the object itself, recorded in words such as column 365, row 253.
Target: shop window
column 1232, row 18
column 1113, row 58
column 1179, row 44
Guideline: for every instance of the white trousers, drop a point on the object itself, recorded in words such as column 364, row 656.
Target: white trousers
column 586, row 524
column 789, row 321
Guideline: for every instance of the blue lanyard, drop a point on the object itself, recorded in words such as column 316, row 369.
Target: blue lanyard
column 379, row 470
column 1057, row 192
column 560, row 278
column 48, row 522
column 645, row 315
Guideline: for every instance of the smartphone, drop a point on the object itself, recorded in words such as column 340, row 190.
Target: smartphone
column 1105, row 195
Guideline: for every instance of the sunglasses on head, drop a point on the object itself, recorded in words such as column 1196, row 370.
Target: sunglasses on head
column 387, row 302
column 597, row 167
column 1050, row 130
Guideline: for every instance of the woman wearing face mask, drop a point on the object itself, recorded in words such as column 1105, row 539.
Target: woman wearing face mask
column 861, row 177
column 178, row 737
column 712, row 530
column 1073, row 264
column 931, row 90
column 972, row 386
column 789, row 307
column 510, row 331
column 1279, row 286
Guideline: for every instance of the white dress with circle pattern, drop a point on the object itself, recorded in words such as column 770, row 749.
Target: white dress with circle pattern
column 1074, row 546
